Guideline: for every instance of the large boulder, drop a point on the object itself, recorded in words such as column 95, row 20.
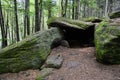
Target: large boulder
column 28, row 53
column 74, row 30
column 107, row 42
column 115, row 14
column 68, row 23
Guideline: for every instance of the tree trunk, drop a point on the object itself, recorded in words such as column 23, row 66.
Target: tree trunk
column 62, row 8
column 106, row 9
column 77, row 11
column 25, row 25
column 4, row 37
column 41, row 10
column 110, row 5
column 33, row 25
column 65, row 10
column 59, row 8
column 37, row 19
column 49, row 9
column 73, row 9
column 28, row 17
column 16, row 20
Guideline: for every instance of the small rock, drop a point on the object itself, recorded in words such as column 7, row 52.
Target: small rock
column 44, row 73
column 27, row 74
column 65, row 43
column 54, row 61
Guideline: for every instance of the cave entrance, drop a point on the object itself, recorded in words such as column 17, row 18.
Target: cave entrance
column 78, row 37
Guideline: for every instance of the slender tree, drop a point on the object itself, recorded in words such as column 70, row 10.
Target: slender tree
column 27, row 18
column 106, row 9
column 73, row 9
column 41, row 11
column 3, row 31
column 64, row 5
column 62, row 8
column 16, row 20
column 77, row 11
column 37, row 19
column 49, row 8
column 65, row 9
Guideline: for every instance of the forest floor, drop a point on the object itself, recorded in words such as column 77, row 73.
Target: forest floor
column 79, row 64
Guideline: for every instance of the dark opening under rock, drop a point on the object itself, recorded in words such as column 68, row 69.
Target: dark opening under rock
column 75, row 32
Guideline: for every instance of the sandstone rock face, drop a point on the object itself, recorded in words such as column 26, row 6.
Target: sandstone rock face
column 107, row 42
column 29, row 53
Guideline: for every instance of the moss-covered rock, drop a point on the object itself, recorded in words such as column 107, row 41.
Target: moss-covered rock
column 107, row 39
column 115, row 14
column 63, row 22
column 93, row 19
column 28, row 53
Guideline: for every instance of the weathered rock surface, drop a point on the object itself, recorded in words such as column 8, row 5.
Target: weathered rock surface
column 107, row 42
column 28, row 53
column 54, row 61
column 74, row 29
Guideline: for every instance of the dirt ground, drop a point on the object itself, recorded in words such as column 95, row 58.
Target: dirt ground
column 79, row 64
